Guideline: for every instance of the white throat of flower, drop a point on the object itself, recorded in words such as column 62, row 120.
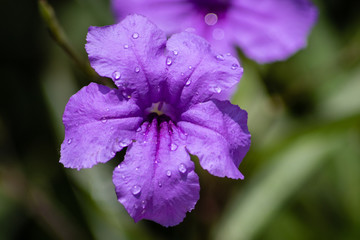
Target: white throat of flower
column 162, row 108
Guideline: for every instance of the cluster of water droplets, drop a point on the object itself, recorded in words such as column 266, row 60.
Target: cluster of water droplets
column 173, row 147
column 182, row 168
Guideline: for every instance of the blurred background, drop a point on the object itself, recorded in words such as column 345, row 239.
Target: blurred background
column 302, row 174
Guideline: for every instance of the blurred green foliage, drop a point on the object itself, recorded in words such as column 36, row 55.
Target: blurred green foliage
column 302, row 174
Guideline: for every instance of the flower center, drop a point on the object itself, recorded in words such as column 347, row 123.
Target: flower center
column 216, row 7
column 161, row 109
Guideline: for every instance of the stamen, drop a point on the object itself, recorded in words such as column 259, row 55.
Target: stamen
column 160, row 106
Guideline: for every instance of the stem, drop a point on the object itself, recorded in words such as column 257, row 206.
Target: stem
column 59, row 36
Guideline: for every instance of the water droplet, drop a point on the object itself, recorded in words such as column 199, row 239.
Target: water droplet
column 111, row 128
column 137, row 69
column 228, row 54
column 136, row 190
column 168, row 173
column 107, row 109
column 103, row 120
column 143, row 204
column 173, row 147
column 168, row 61
column 116, row 75
column 112, row 154
column 182, row 168
column 135, row 35
column 211, row 19
column 188, row 82
column 234, row 66
column 139, row 129
column 137, row 169
column 182, row 74
column 220, row 57
column 190, row 67
column 69, row 140
column 217, row 89
column 160, row 185
column 175, row 52
column 126, row 46
column 122, row 176
column 123, row 144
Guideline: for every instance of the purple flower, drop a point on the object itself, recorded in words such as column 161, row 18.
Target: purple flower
column 265, row 30
column 166, row 106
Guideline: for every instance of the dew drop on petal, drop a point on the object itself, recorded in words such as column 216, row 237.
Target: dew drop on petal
column 190, row 67
column 168, row 61
column 103, row 120
column 135, row 190
column 217, row 89
column 182, row 168
column 137, row 169
column 160, row 185
column 234, row 66
column 175, row 52
column 137, row 69
column 143, row 204
column 123, row 144
column 168, row 173
column 135, row 35
column 139, row 129
column 126, row 46
column 220, row 57
column 116, row 75
column 188, row 82
column 69, row 141
column 173, row 147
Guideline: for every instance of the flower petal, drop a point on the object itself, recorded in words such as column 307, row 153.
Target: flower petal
column 170, row 16
column 197, row 74
column 218, row 135
column 268, row 30
column 98, row 123
column 156, row 181
column 132, row 54
column 271, row 30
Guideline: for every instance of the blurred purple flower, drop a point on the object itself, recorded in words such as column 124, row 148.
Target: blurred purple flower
column 265, row 30
column 166, row 106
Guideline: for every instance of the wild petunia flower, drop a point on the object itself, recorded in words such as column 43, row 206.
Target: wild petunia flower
column 166, row 107
column 265, row 30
